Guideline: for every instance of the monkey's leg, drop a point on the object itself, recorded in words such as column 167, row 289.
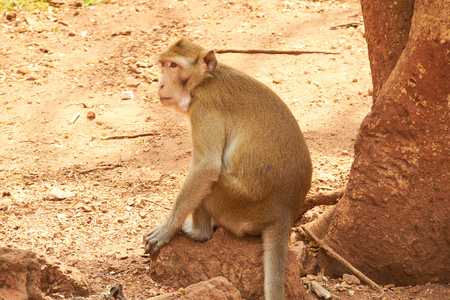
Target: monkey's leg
column 275, row 238
column 195, row 188
column 199, row 226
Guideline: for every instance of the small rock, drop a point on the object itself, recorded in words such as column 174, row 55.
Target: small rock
column 218, row 288
column 127, row 95
column 5, row 204
column 72, row 33
column 141, row 64
column 321, row 292
column 389, row 286
column 351, row 279
column 32, row 77
column 355, row 80
column 30, row 21
column 58, row 235
column 90, row 115
column 129, row 60
column 57, row 194
column 11, row 16
column 130, row 81
column 139, row 202
column 260, row 15
column 134, row 68
column 86, row 208
column 149, row 176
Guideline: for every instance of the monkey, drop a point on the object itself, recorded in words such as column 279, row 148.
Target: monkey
column 250, row 168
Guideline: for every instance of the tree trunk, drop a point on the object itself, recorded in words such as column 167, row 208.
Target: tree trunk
column 387, row 25
column 393, row 221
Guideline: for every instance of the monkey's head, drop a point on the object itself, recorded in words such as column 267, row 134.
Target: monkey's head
column 184, row 66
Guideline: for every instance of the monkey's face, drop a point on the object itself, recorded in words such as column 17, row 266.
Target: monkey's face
column 171, row 88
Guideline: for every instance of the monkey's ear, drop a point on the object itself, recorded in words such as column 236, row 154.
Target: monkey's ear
column 209, row 61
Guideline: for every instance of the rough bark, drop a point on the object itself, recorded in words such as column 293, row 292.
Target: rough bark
column 387, row 25
column 393, row 222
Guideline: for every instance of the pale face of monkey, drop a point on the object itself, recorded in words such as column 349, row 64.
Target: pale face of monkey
column 180, row 76
column 171, row 88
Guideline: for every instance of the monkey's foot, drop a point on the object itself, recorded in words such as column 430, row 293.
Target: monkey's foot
column 200, row 234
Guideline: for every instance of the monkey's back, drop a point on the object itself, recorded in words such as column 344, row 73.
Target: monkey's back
column 265, row 154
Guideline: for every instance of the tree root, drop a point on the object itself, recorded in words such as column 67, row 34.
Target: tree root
column 325, row 198
column 344, row 262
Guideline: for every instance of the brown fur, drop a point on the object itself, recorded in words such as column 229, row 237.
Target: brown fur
column 251, row 168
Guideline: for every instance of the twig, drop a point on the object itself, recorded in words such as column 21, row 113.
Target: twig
column 100, row 168
column 271, row 51
column 17, row 4
column 351, row 24
column 121, row 137
column 345, row 263
column 158, row 204
column 74, row 118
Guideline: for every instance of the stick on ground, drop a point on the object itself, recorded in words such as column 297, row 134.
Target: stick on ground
column 133, row 136
column 271, row 51
column 345, row 263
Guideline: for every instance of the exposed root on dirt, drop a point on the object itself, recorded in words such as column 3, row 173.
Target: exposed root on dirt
column 325, row 198
column 344, row 262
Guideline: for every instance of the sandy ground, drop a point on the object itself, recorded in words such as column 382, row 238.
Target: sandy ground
column 73, row 60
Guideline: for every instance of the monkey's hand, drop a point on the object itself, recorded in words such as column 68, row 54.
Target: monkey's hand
column 156, row 239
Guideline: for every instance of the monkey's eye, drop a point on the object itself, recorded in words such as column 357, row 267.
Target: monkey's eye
column 173, row 65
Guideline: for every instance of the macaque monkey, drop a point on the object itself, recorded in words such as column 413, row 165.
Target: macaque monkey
column 250, row 169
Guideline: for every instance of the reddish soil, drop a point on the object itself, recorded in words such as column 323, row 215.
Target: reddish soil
column 71, row 59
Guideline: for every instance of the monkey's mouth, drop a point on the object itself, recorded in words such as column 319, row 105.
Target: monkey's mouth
column 166, row 100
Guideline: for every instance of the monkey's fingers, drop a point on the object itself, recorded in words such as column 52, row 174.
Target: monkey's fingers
column 152, row 247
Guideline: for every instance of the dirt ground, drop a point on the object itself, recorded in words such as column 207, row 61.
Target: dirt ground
column 72, row 193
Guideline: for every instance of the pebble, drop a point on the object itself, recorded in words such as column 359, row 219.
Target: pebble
column 32, row 77
column 389, row 286
column 129, row 60
column 90, row 115
column 5, row 204
column 141, row 64
column 57, row 194
column 86, row 208
column 321, row 292
column 130, row 81
column 351, row 279
column 11, row 16
column 127, row 95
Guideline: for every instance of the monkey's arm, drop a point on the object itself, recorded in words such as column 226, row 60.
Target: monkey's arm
column 208, row 139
